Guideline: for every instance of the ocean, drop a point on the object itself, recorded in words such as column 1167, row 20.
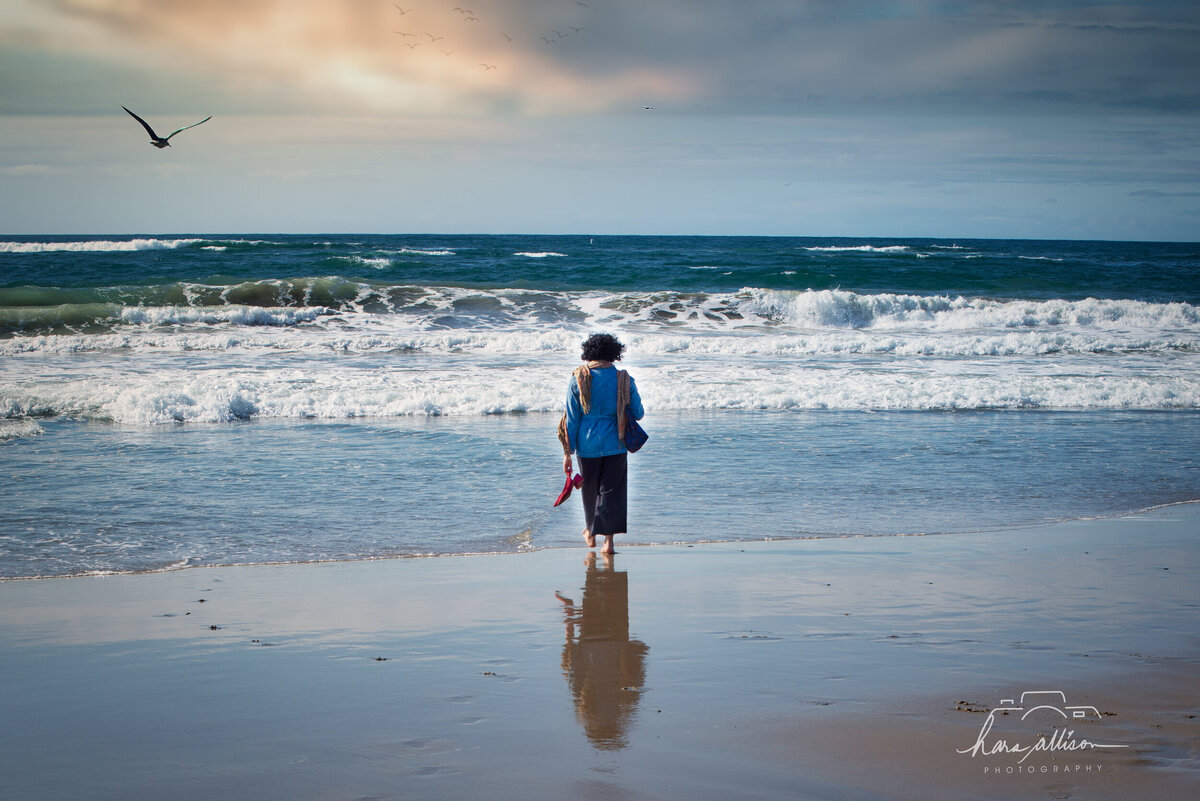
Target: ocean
column 179, row 401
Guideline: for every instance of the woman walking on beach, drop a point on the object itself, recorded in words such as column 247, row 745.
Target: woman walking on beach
column 597, row 403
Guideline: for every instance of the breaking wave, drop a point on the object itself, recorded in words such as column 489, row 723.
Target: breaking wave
column 97, row 245
column 808, row 321
column 838, row 309
column 860, row 249
column 332, row 347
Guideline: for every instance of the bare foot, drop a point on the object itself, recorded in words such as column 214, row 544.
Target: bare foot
column 608, row 547
column 589, row 538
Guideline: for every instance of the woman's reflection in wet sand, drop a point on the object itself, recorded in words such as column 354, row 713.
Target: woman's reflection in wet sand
column 604, row 668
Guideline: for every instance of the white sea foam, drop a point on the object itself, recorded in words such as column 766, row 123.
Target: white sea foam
column 412, row 385
column 860, row 249
column 96, row 245
column 420, row 252
column 377, row 263
column 350, row 334
column 539, row 254
column 18, row 428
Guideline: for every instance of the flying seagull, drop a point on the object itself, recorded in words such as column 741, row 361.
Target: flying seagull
column 161, row 141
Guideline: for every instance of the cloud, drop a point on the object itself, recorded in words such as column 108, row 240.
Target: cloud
column 271, row 55
column 29, row 169
column 559, row 56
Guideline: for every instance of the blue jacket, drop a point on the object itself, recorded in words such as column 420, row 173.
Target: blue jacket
column 595, row 434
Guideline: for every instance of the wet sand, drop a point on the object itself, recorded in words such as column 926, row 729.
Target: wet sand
column 858, row 668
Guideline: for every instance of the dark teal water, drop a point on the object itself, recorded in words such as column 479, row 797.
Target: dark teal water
column 997, row 269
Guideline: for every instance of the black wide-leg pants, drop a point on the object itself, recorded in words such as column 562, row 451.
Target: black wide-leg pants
column 604, row 493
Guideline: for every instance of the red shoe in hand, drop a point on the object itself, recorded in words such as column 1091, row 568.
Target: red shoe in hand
column 571, row 484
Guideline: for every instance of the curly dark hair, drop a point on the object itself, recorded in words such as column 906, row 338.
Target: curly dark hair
column 602, row 348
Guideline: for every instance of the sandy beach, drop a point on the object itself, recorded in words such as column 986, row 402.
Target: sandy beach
column 855, row 668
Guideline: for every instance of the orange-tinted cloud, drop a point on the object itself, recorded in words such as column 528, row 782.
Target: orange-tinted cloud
column 365, row 54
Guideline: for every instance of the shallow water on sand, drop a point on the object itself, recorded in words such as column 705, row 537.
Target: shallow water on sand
column 86, row 497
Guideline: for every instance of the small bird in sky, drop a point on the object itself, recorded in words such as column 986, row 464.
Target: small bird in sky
column 161, row 141
column 402, row 11
column 433, row 38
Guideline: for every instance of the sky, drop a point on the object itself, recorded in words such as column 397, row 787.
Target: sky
column 1046, row 119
